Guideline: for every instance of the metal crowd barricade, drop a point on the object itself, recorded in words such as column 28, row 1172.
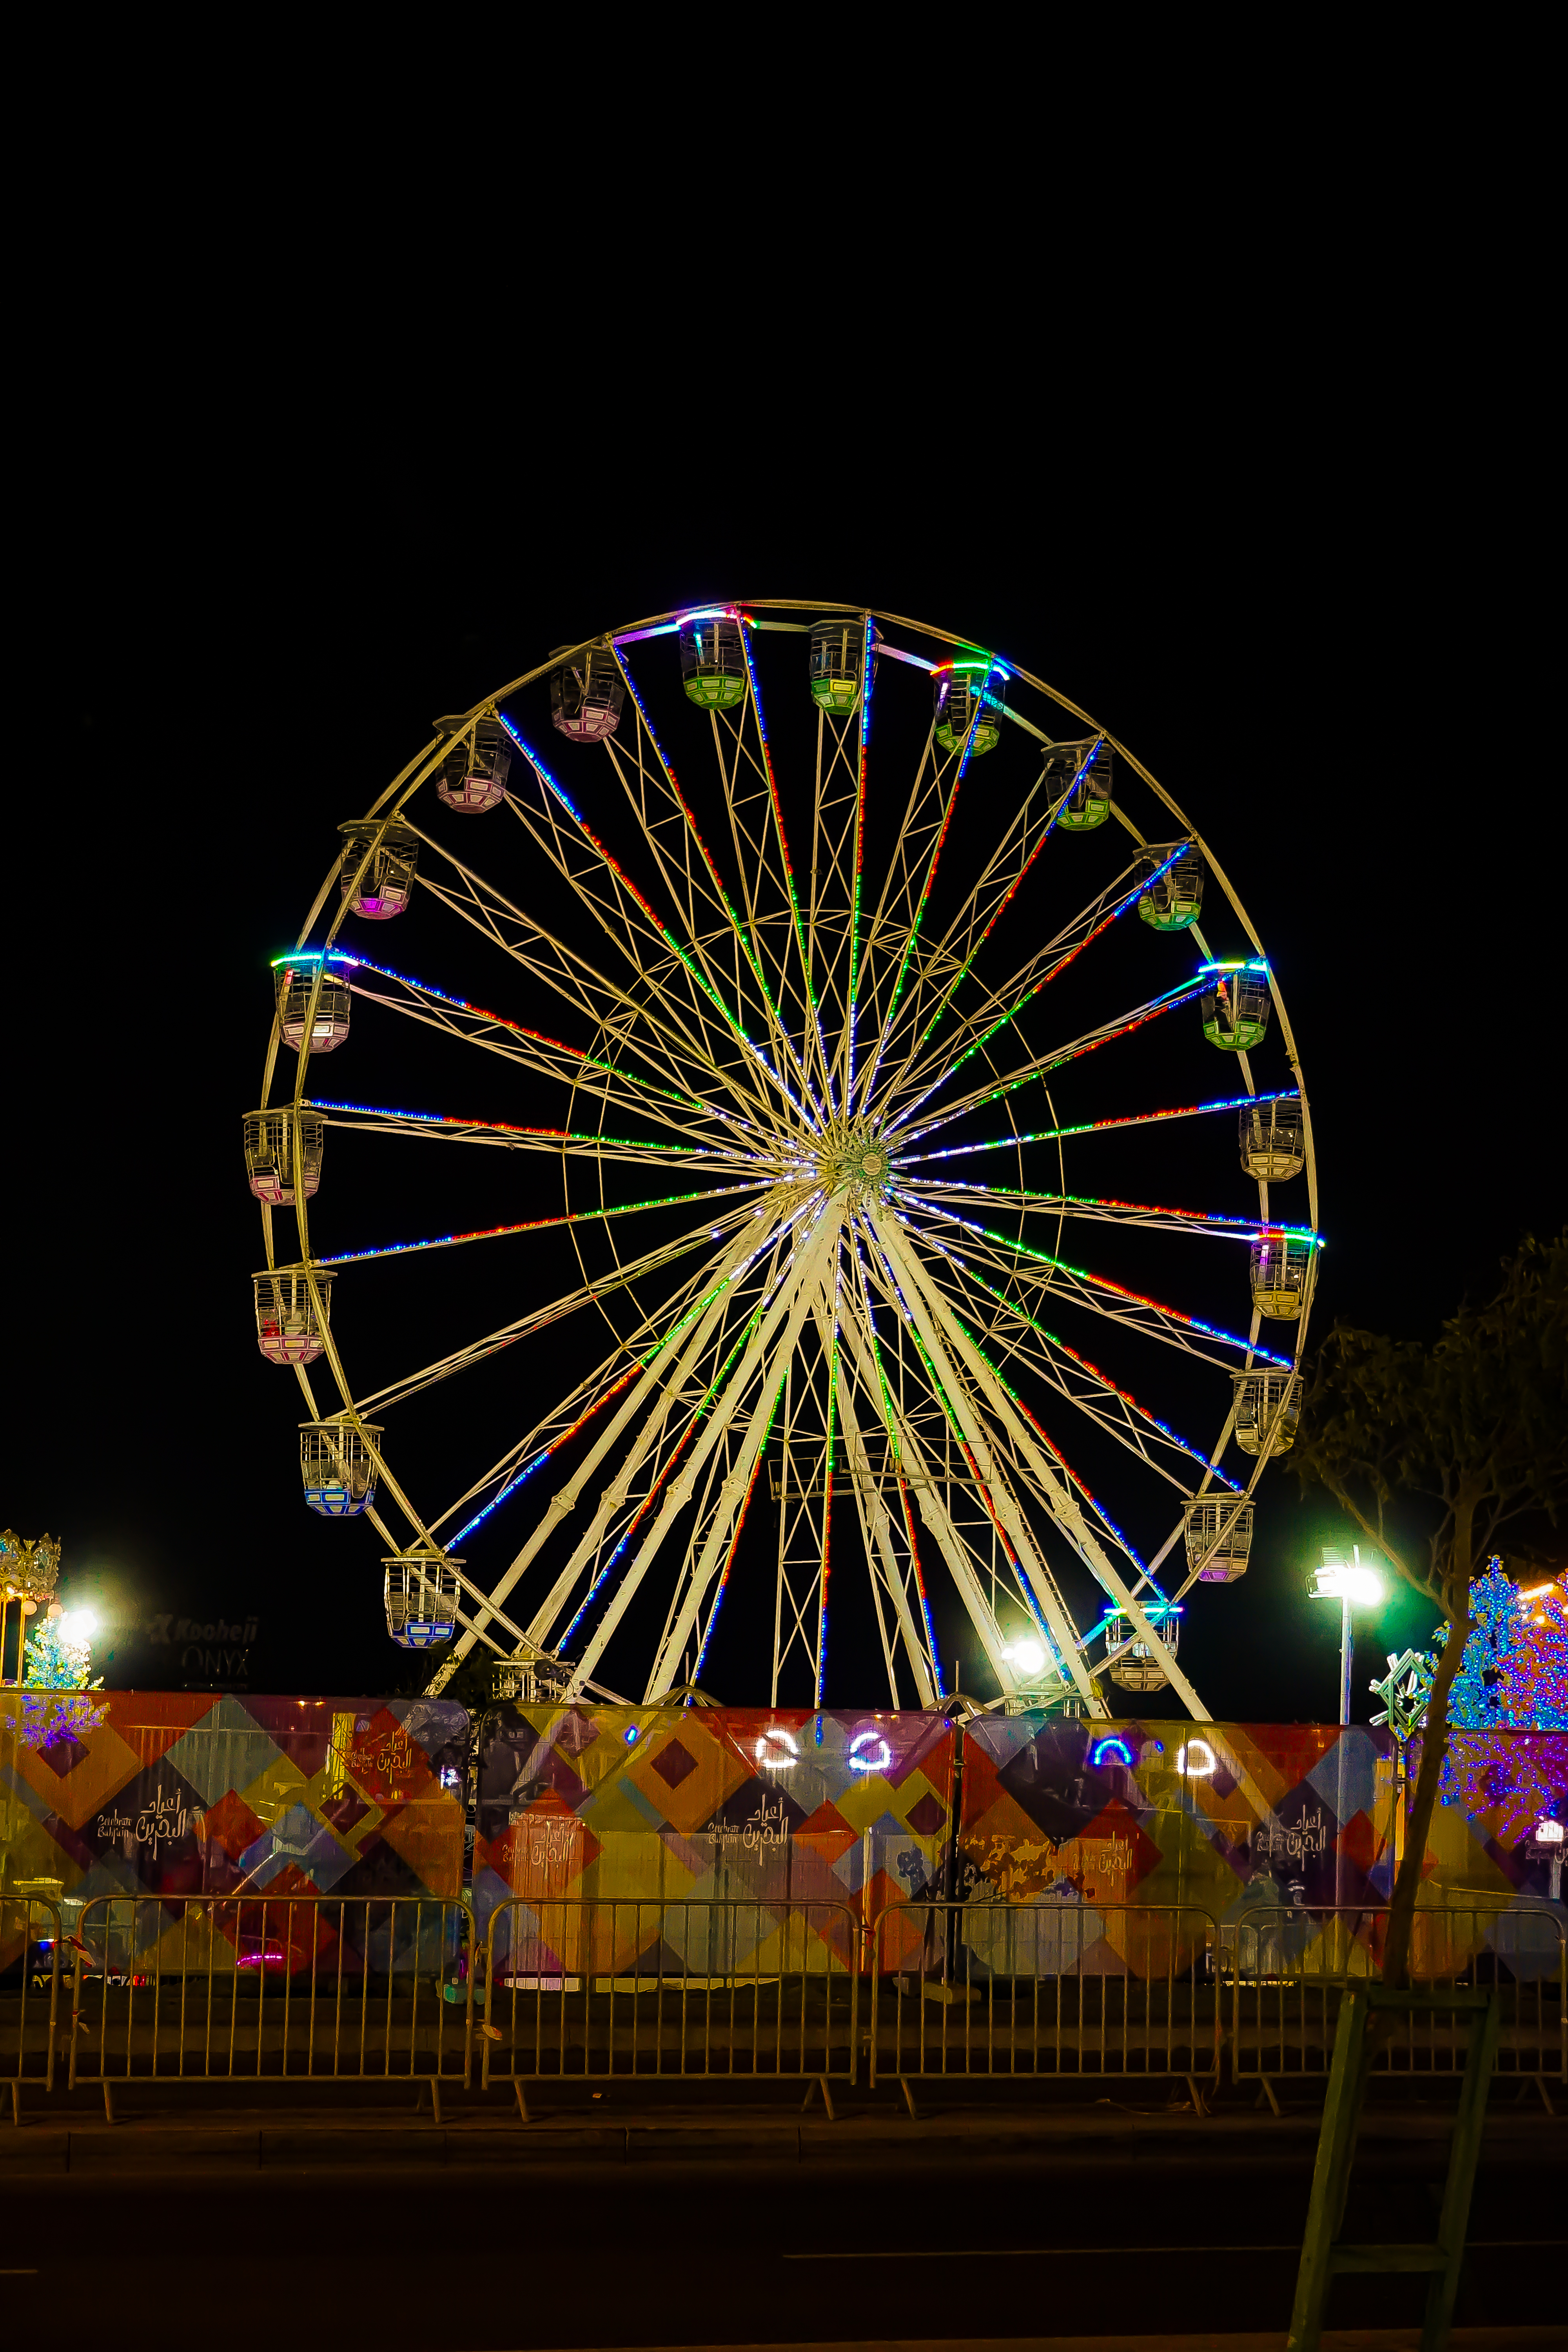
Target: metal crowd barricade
column 29, row 1992
column 1049, row 1989
column 587, row 1985
column 259, row 1988
column 1290, row 1967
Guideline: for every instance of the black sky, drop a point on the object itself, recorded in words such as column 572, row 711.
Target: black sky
column 248, row 607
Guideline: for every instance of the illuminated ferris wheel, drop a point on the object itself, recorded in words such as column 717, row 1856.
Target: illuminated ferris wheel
column 835, row 1081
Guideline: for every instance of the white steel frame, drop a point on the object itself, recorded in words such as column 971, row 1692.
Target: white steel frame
column 777, row 1030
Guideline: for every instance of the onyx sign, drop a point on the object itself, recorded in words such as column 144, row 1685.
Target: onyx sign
column 212, row 1652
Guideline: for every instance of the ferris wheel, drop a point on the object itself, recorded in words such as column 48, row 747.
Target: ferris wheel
column 856, row 1000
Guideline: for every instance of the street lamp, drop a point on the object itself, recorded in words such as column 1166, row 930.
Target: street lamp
column 1350, row 1582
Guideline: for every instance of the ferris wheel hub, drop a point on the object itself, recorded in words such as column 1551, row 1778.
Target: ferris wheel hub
column 854, row 1158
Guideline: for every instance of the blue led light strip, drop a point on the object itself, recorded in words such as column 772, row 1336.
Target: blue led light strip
column 1096, row 1127
column 1016, row 887
column 1102, row 1379
column 693, row 970
column 522, row 1477
column 1061, row 965
column 1241, row 1228
column 1042, row 1070
column 688, row 1101
column 540, row 1225
column 500, row 1126
column 1100, row 1281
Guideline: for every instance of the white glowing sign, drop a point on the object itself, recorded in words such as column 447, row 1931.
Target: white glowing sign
column 777, row 1750
column 869, row 1752
column 1548, row 1833
column 1196, row 1761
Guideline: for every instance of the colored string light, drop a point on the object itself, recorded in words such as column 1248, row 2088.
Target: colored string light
column 741, row 929
column 1242, row 1227
column 523, row 1475
column 1103, row 1282
column 1129, row 899
column 1017, row 883
column 688, row 1101
column 734, row 1542
column 1102, row 1379
column 692, row 969
column 1043, row 1070
column 500, row 1126
column 537, row 1224
column 1097, row 1127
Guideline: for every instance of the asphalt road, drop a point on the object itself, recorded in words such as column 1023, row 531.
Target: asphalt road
column 937, row 2241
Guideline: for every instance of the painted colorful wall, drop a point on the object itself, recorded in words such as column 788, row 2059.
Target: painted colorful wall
column 181, row 1793
column 843, row 1812
column 1221, row 1823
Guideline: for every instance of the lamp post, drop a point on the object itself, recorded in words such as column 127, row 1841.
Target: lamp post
column 1347, row 1582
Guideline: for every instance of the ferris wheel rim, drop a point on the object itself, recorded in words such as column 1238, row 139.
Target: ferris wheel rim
column 417, row 771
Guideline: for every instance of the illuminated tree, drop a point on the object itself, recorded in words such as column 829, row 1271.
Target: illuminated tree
column 1433, row 1452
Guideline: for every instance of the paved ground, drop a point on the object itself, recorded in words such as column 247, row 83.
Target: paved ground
column 627, row 2223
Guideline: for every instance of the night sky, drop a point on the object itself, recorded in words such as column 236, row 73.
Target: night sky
column 243, row 649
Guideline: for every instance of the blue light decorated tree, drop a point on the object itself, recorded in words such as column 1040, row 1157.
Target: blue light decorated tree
column 1487, row 1683
column 1513, row 1674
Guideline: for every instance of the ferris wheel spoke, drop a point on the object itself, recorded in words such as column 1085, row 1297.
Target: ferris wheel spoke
column 913, row 853
column 1037, row 1582
column 625, row 915
column 809, row 1009
column 1005, row 873
column 1060, row 1497
column 1039, row 1067
column 683, row 880
column 676, row 1049
column 688, row 1330
column 788, row 1308
column 883, row 1569
column 653, row 1261
column 1212, row 1224
column 551, row 1057
column 920, row 1477
column 1021, row 1263
column 1079, row 1380
column 709, row 1351
column 1097, row 1127
column 702, row 1563
column 547, row 1224
column 555, row 1142
column 1001, row 1006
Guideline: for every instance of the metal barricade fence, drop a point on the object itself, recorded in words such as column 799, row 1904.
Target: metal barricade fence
column 259, row 1986
column 29, row 1991
column 693, row 1985
column 1290, row 1968
column 1044, row 1988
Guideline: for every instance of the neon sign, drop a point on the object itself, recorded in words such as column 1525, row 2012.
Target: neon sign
column 1116, row 1751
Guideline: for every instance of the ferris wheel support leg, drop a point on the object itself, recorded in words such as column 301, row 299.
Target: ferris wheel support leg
column 874, row 1525
column 737, row 1484
column 1064, row 1633
column 791, row 1301
column 656, row 1370
column 1059, row 1500
column 949, row 1541
column 615, row 1493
